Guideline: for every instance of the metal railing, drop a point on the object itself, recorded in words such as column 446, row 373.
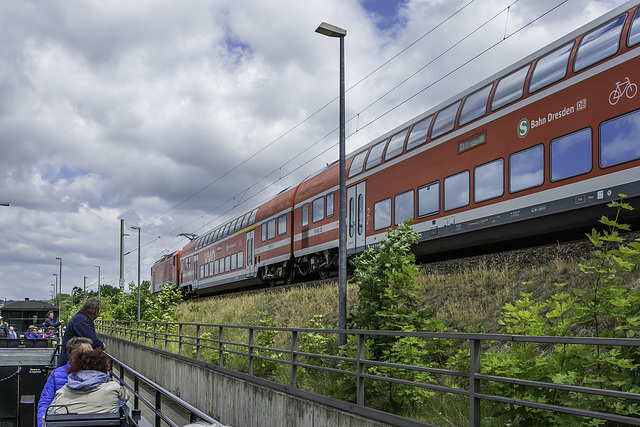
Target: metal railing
column 125, row 375
column 212, row 343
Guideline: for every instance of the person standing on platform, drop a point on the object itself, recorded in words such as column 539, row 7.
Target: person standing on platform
column 4, row 329
column 12, row 333
column 49, row 324
column 81, row 325
column 58, row 377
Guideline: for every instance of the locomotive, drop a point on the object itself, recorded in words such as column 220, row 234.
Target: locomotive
column 540, row 147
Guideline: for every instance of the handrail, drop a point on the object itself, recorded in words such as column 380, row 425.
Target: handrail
column 194, row 413
column 168, row 336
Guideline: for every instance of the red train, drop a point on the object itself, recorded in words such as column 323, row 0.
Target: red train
column 540, row 147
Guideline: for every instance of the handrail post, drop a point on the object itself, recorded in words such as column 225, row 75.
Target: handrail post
column 166, row 336
column 294, row 359
column 251, row 351
column 360, row 371
column 180, row 340
column 155, row 334
column 474, row 383
column 220, row 347
column 137, row 332
column 158, row 408
column 198, row 342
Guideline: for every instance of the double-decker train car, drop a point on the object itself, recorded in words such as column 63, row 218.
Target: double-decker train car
column 165, row 271
column 539, row 148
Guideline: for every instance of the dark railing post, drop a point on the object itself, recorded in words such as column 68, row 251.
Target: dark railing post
column 180, row 340
column 155, row 334
column 251, row 351
column 360, row 371
column 158, row 408
column 220, row 347
column 294, row 359
column 166, row 337
column 136, row 388
column 198, row 342
column 474, row 383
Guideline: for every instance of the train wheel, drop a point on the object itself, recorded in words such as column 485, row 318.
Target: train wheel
column 323, row 273
column 289, row 276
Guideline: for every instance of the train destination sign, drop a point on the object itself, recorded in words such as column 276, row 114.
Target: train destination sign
column 470, row 143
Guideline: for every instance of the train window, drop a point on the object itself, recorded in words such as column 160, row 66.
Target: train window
column 634, row 31
column 357, row 164
column 619, row 139
column 202, row 272
column 330, row 205
column 510, row 88
column 526, row 169
column 226, row 230
column 238, row 225
column 318, row 209
column 403, row 207
column 396, row 144
column 445, row 120
column 488, row 181
column 218, row 232
column 599, row 44
column 550, row 68
column 264, row 231
column 232, row 227
column 352, row 222
column 571, row 155
column 475, row 105
column 253, row 216
column 271, row 229
column 456, row 191
column 227, row 263
column 245, row 220
column 305, row 214
column 382, row 214
column 240, row 259
column 418, row 135
column 375, row 156
column 216, row 267
column 234, row 259
column 282, row 224
column 429, row 199
column 206, row 270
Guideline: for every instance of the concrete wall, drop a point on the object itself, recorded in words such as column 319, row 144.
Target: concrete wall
column 235, row 399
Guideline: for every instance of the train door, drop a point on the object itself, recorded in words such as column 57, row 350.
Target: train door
column 251, row 262
column 356, row 217
column 195, row 272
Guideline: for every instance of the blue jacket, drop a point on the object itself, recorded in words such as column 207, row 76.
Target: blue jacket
column 57, row 379
column 79, row 326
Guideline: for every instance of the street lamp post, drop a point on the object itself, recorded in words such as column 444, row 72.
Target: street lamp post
column 333, row 31
column 135, row 227
column 60, row 282
column 85, row 288
column 96, row 265
column 58, row 293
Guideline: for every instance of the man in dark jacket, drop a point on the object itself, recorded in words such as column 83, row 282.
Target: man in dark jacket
column 81, row 325
column 58, row 377
column 4, row 329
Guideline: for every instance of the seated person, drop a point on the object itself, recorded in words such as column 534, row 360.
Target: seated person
column 58, row 377
column 12, row 333
column 34, row 333
column 89, row 389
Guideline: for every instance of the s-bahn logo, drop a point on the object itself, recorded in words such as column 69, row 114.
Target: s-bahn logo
column 523, row 128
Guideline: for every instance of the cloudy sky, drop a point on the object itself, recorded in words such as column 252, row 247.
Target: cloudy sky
column 177, row 115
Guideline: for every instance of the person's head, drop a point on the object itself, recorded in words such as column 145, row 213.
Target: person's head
column 93, row 360
column 50, row 314
column 11, row 328
column 91, row 308
column 78, row 344
column 34, row 329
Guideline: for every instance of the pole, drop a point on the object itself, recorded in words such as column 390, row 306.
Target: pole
column 121, row 255
column 135, row 227
column 342, row 247
column 85, row 288
column 60, row 282
column 96, row 265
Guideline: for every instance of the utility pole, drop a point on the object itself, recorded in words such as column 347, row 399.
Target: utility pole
column 121, row 255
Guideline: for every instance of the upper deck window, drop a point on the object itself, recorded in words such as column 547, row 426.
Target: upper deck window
column 418, row 135
column 395, row 145
column 245, row 220
column 550, row 68
column 475, row 105
column 634, row 31
column 510, row 88
column 253, row 216
column 599, row 44
column 445, row 120
column 375, row 156
column 357, row 164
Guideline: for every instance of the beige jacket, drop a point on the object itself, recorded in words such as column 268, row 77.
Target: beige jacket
column 100, row 400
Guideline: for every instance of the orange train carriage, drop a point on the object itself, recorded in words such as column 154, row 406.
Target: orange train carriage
column 540, row 147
